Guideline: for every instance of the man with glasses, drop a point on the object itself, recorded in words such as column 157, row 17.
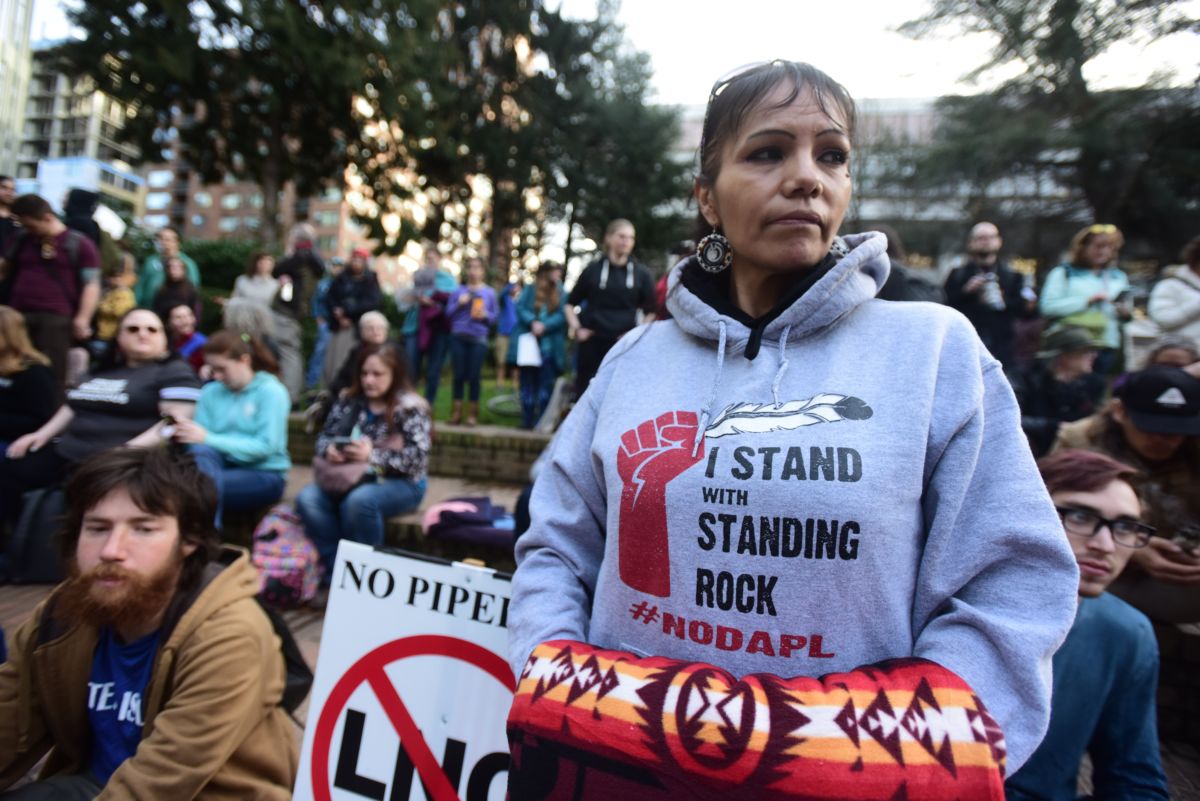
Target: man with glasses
column 1106, row 673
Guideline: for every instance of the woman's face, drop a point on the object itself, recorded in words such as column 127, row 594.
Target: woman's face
column 783, row 187
column 181, row 321
column 474, row 271
column 265, row 266
column 233, row 373
column 376, row 378
column 141, row 338
column 1099, row 251
column 176, row 270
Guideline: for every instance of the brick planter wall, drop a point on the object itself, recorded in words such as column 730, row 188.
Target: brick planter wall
column 482, row 454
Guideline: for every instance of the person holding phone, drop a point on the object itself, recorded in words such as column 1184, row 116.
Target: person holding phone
column 239, row 435
column 472, row 309
column 384, row 426
column 120, row 404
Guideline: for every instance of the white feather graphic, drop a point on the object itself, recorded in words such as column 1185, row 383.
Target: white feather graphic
column 760, row 418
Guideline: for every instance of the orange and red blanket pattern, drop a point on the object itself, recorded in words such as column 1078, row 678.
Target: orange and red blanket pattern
column 587, row 723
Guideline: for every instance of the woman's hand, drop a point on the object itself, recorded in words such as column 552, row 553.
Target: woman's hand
column 27, row 444
column 334, row 454
column 1099, row 297
column 359, row 450
column 1166, row 561
column 464, row 299
column 537, row 328
column 189, row 432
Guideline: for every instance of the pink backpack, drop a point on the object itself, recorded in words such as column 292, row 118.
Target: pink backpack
column 287, row 561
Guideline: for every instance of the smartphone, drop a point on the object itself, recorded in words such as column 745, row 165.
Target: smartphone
column 168, row 426
column 341, row 443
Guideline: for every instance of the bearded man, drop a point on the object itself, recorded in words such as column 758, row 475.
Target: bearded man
column 152, row 672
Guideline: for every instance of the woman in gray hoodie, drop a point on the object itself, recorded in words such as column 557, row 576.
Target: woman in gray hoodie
column 791, row 477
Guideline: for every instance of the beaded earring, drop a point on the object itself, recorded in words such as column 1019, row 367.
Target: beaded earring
column 714, row 253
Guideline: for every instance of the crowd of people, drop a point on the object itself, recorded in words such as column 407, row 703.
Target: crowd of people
column 1019, row 506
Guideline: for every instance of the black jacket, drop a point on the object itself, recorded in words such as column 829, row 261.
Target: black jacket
column 1045, row 402
column 994, row 326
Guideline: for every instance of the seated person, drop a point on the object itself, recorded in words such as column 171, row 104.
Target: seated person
column 177, row 290
column 1106, row 673
column 239, row 433
column 1059, row 387
column 382, row 424
column 185, row 339
column 152, row 672
column 28, row 389
column 373, row 330
column 1153, row 424
column 138, row 386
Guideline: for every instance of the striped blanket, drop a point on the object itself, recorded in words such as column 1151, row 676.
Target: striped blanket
column 590, row 724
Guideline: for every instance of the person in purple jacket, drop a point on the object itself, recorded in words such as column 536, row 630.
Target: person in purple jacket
column 472, row 309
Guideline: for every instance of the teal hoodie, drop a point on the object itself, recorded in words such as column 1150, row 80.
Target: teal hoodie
column 248, row 427
column 856, row 489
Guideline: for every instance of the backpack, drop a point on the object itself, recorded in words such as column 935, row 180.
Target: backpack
column 286, row 559
column 33, row 545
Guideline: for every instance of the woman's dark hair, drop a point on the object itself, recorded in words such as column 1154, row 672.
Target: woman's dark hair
column 234, row 346
column 393, row 358
column 732, row 99
column 1191, row 253
column 1074, row 470
column 730, row 104
column 167, row 271
column 158, row 482
column 254, row 260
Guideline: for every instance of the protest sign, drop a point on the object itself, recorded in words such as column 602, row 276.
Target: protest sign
column 412, row 686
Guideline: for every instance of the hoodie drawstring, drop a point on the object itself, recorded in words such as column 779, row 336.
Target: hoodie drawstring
column 783, row 364
column 712, row 396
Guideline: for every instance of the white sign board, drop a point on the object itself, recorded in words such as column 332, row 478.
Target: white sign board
column 412, row 685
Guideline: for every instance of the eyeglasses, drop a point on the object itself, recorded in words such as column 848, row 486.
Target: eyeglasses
column 137, row 329
column 1099, row 228
column 721, row 84
column 1086, row 523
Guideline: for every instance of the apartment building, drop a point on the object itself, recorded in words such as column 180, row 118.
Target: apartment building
column 16, row 20
column 71, row 139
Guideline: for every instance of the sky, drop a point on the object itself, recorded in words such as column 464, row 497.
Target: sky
column 693, row 42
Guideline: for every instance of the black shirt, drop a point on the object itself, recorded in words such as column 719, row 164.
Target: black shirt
column 611, row 303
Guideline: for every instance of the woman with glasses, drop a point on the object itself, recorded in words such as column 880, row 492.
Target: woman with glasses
column 132, row 399
column 1087, row 290
column 791, row 478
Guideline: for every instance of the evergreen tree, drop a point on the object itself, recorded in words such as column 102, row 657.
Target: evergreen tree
column 1123, row 155
column 256, row 89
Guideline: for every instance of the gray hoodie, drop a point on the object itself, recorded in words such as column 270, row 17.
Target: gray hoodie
column 859, row 490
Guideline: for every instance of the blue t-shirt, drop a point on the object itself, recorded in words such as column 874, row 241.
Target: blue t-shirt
column 118, row 681
column 1105, row 681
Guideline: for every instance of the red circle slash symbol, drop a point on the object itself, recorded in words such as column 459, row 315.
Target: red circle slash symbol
column 370, row 670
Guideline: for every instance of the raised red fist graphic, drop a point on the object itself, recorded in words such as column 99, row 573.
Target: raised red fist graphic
column 650, row 457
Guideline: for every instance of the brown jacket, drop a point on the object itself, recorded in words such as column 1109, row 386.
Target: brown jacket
column 213, row 725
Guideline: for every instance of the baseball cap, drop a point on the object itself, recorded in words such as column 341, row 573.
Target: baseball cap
column 1065, row 339
column 1162, row 400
